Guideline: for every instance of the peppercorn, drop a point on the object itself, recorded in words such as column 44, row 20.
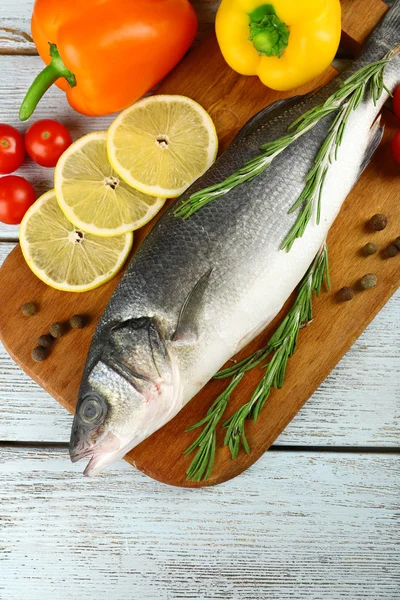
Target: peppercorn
column 29, row 309
column 390, row 251
column 45, row 341
column 39, row 353
column 397, row 242
column 78, row 321
column 378, row 222
column 370, row 248
column 368, row 281
column 58, row 329
column 345, row 294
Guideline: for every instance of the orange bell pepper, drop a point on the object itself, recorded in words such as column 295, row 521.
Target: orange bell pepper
column 105, row 54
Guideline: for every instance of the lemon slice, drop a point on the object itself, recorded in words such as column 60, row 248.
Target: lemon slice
column 91, row 194
column 161, row 144
column 63, row 256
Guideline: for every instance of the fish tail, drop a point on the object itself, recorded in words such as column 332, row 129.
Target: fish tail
column 386, row 36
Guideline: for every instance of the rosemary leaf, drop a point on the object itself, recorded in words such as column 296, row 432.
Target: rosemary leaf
column 281, row 347
column 346, row 99
column 285, row 341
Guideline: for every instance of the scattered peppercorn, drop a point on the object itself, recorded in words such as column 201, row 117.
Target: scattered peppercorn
column 390, row 251
column 78, row 321
column 58, row 329
column 370, row 248
column 397, row 243
column 45, row 341
column 29, row 309
column 378, row 222
column 39, row 353
column 345, row 294
column 368, row 281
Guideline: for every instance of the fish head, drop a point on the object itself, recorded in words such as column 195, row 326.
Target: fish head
column 130, row 391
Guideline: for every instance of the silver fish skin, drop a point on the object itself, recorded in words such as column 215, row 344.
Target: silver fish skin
column 198, row 290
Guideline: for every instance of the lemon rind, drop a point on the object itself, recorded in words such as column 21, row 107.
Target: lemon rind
column 69, row 211
column 159, row 191
column 40, row 273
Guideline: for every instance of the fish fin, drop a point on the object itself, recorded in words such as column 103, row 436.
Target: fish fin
column 268, row 113
column 376, row 135
column 186, row 329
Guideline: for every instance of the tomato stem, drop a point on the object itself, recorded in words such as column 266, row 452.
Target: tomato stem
column 54, row 70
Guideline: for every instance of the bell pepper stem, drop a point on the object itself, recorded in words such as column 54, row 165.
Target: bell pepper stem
column 270, row 35
column 54, row 70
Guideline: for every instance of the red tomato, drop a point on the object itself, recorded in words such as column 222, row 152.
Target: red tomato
column 396, row 146
column 12, row 149
column 16, row 196
column 45, row 141
column 396, row 102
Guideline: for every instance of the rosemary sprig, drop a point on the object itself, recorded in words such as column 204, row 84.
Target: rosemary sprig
column 368, row 77
column 249, row 171
column 283, row 344
column 202, row 464
column 315, row 179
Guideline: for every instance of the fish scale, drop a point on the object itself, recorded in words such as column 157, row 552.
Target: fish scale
column 204, row 287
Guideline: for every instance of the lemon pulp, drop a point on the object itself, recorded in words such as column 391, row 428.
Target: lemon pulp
column 161, row 144
column 65, row 257
column 93, row 196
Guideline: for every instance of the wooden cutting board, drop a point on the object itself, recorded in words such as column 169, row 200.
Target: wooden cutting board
column 232, row 100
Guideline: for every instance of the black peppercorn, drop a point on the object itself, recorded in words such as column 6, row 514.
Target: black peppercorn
column 58, row 329
column 370, row 248
column 397, row 242
column 29, row 309
column 39, row 353
column 78, row 321
column 45, row 341
column 368, row 281
column 378, row 222
column 345, row 294
column 390, row 251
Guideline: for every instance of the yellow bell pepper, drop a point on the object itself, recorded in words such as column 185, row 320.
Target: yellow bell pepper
column 286, row 42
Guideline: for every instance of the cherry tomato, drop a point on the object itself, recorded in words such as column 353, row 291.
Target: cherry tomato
column 45, row 141
column 12, row 149
column 16, row 196
column 396, row 102
column 396, row 146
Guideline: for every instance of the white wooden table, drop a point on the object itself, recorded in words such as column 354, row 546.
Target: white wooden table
column 316, row 518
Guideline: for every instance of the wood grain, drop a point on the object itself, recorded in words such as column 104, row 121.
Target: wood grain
column 15, row 30
column 230, row 100
column 303, row 527
column 358, row 404
column 20, row 71
column 360, row 17
column 15, row 24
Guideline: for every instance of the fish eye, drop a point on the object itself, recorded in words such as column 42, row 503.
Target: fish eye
column 92, row 410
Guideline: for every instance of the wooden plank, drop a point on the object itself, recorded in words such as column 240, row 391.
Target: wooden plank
column 15, row 31
column 15, row 28
column 302, row 526
column 27, row 412
column 357, row 405
column 357, row 30
column 61, row 378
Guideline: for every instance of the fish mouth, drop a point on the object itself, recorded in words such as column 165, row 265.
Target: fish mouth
column 76, row 454
column 101, row 453
column 103, row 458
